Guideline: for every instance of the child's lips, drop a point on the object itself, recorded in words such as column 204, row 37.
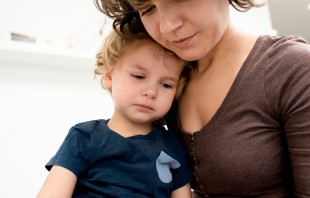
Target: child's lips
column 143, row 107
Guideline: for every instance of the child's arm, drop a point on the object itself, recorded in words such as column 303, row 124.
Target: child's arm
column 183, row 192
column 59, row 183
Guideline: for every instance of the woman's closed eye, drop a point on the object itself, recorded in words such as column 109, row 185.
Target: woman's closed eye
column 147, row 11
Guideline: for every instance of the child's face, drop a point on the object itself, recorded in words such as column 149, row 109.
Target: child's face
column 144, row 83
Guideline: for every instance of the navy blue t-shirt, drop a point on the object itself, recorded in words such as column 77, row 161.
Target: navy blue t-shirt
column 110, row 165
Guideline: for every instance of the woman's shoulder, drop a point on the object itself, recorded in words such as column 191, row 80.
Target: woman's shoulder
column 285, row 61
column 283, row 38
column 280, row 53
column 288, row 44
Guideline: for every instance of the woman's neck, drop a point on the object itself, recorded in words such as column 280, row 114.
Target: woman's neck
column 233, row 45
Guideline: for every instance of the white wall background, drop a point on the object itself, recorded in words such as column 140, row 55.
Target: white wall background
column 47, row 87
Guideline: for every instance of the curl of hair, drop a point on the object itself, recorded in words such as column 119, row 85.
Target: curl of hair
column 126, row 20
column 113, row 47
column 186, row 74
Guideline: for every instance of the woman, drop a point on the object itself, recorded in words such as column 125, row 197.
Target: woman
column 245, row 114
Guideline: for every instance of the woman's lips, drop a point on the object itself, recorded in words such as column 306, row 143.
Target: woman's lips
column 182, row 43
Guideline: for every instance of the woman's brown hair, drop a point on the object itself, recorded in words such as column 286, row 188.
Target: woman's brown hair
column 127, row 22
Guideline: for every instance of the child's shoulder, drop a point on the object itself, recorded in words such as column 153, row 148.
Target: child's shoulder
column 168, row 134
column 91, row 125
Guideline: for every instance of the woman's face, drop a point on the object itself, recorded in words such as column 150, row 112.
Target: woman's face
column 190, row 28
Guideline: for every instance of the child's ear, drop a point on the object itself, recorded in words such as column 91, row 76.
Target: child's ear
column 107, row 81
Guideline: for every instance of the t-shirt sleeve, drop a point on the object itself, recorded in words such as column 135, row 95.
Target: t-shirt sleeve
column 183, row 174
column 74, row 152
column 287, row 85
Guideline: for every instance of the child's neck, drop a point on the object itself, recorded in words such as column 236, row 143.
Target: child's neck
column 127, row 128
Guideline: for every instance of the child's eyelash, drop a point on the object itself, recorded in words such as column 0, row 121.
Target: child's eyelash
column 137, row 76
column 166, row 85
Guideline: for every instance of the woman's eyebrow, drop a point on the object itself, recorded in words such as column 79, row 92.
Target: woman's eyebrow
column 140, row 4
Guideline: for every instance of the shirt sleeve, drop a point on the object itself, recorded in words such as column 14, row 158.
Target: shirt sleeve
column 183, row 174
column 74, row 152
column 287, row 85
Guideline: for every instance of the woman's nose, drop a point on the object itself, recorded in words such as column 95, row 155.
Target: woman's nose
column 169, row 21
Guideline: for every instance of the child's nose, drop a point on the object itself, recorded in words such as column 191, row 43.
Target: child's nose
column 150, row 92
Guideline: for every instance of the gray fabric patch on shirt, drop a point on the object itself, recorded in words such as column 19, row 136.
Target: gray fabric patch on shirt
column 163, row 165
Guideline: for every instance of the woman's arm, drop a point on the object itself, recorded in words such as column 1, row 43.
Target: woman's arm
column 183, row 192
column 59, row 183
column 287, row 86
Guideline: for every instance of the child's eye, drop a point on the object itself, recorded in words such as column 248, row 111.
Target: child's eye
column 166, row 85
column 137, row 76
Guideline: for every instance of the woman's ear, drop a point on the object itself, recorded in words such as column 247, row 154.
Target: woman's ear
column 107, row 81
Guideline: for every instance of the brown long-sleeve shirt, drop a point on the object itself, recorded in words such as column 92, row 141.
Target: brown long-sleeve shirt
column 258, row 142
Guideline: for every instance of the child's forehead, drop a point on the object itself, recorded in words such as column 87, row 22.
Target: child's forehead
column 141, row 50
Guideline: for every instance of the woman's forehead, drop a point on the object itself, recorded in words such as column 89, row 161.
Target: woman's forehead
column 141, row 3
column 138, row 3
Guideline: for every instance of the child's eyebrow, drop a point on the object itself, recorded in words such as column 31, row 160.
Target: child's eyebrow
column 139, row 67
column 172, row 78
